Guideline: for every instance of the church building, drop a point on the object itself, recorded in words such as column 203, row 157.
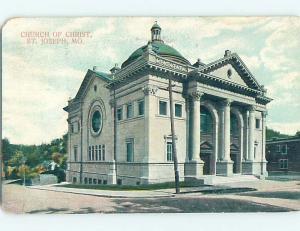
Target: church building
column 119, row 122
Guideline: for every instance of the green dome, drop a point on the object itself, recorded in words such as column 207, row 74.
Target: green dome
column 159, row 48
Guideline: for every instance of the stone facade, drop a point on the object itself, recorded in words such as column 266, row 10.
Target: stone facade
column 119, row 123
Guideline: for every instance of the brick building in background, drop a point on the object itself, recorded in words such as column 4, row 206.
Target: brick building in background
column 283, row 155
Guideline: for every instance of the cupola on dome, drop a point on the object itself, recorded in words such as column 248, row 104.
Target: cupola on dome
column 159, row 47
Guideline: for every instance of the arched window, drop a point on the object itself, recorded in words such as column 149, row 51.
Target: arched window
column 206, row 121
column 234, row 126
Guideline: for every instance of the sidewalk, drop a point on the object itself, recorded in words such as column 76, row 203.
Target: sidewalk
column 170, row 192
column 109, row 193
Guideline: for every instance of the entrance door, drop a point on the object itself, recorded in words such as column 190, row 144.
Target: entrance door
column 206, row 157
column 234, row 157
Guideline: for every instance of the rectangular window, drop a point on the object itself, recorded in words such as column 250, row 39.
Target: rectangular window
column 129, row 111
column 74, row 180
column 72, row 128
column 75, row 153
column 141, row 107
column 178, row 110
column 90, row 153
column 283, row 163
column 96, row 152
column 278, row 147
column 100, row 152
column 103, row 152
column 284, row 149
column 169, row 151
column 99, row 181
column 93, row 154
column 94, row 181
column 162, row 108
column 257, row 123
column 90, row 180
column 85, row 180
column 129, row 150
column 119, row 114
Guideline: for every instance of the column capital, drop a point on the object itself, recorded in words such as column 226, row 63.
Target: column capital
column 196, row 95
column 150, row 89
column 251, row 108
column 226, row 102
column 112, row 102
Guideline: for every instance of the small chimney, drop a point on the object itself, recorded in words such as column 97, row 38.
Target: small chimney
column 95, row 68
column 227, row 53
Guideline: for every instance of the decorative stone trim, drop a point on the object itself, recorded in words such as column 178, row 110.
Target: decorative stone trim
column 251, row 108
column 196, row 95
column 150, row 89
column 226, row 102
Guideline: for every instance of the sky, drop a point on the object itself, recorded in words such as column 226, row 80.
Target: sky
column 38, row 79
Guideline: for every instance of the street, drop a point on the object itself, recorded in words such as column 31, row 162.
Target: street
column 269, row 197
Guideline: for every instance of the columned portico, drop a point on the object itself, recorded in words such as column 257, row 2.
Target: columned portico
column 224, row 164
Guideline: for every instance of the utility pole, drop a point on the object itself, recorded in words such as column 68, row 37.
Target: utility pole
column 24, row 176
column 173, row 138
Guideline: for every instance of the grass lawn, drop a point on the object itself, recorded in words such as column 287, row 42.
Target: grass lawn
column 166, row 185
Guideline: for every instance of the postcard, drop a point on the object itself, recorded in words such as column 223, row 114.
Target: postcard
column 150, row 115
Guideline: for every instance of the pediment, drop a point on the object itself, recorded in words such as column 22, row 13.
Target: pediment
column 232, row 69
column 228, row 73
column 87, row 79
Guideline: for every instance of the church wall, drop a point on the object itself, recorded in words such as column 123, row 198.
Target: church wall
column 160, row 132
column 132, row 129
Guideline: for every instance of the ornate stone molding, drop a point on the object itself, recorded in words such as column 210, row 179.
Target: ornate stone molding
column 196, row 95
column 112, row 102
column 226, row 102
column 251, row 108
column 150, row 89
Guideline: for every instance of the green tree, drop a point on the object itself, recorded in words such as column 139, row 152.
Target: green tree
column 17, row 159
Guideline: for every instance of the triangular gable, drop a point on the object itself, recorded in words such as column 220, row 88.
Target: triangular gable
column 89, row 75
column 240, row 74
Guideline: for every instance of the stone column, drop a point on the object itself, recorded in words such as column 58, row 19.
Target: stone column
column 264, row 172
column 224, row 166
column 264, row 115
column 194, row 167
column 248, row 164
column 251, row 133
column 246, row 135
column 195, row 154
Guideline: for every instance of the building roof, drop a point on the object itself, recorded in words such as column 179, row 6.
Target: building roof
column 159, row 48
column 280, row 140
column 155, row 26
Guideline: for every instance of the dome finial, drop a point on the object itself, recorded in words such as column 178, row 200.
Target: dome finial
column 155, row 32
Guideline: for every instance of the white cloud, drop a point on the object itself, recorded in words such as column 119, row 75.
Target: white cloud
column 33, row 98
column 282, row 45
column 285, row 127
column 285, row 90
